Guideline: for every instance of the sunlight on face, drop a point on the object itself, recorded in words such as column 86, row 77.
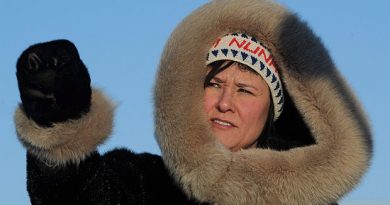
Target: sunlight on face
column 237, row 102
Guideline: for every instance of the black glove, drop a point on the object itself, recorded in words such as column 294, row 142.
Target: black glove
column 54, row 83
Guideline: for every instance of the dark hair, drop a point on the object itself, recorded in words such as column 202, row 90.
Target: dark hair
column 269, row 131
column 216, row 67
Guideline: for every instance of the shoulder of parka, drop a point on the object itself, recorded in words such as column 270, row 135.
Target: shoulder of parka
column 317, row 174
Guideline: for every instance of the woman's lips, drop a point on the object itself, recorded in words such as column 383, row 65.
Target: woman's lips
column 222, row 123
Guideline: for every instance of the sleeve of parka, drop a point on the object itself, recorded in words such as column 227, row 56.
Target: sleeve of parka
column 69, row 170
column 117, row 177
column 63, row 166
column 61, row 121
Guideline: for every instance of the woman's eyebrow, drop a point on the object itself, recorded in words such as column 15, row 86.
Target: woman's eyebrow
column 219, row 80
column 246, row 85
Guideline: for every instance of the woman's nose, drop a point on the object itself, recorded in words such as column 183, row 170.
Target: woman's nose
column 225, row 102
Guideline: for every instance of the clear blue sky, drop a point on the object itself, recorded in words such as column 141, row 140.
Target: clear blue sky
column 121, row 42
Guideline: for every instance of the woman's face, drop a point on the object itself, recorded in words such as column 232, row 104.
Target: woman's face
column 237, row 102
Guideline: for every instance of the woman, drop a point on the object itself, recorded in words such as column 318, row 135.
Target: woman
column 263, row 119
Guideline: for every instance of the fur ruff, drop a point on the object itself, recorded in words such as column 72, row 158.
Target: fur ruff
column 72, row 140
column 316, row 174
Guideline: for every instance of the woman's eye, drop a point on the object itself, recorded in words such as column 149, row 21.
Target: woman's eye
column 215, row 85
column 245, row 91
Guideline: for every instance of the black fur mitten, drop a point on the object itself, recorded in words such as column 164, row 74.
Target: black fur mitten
column 54, row 83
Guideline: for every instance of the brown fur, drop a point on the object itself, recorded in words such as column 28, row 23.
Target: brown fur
column 72, row 140
column 317, row 174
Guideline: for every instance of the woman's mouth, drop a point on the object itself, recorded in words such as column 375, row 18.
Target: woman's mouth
column 222, row 123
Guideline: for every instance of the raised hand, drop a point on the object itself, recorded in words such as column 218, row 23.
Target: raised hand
column 54, row 83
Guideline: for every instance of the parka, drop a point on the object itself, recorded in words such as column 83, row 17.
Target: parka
column 322, row 151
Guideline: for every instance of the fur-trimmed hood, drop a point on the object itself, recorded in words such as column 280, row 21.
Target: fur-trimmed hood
column 318, row 100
